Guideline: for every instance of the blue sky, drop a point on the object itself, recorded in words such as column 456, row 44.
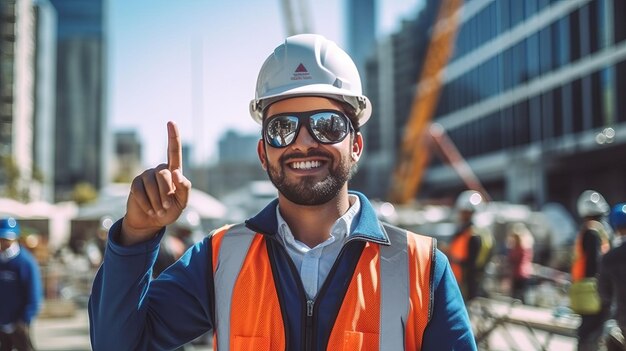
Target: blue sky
column 196, row 61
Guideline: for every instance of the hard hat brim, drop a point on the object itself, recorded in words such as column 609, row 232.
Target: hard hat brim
column 8, row 234
column 257, row 106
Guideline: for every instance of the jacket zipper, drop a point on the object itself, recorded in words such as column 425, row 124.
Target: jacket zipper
column 309, row 306
column 309, row 319
column 308, row 336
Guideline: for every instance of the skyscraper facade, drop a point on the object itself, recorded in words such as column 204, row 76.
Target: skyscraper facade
column 531, row 98
column 17, row 52
column 361, row 38
column 81, row 132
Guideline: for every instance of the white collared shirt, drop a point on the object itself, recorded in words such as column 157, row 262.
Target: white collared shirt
column 315, row 263
column 11, row 252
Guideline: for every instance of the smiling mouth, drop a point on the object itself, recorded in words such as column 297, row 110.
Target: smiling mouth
column 305, row 165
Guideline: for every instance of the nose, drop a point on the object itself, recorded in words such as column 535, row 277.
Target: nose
column 304, row 141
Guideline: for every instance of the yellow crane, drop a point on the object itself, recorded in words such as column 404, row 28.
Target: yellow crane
column 420, row 139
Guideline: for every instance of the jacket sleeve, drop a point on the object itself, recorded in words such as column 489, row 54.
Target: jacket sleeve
column 129, row 311
column 33, row 291
column 449, row 327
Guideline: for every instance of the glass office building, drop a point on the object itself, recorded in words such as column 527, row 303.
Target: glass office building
column 82, row 143
column 531, row 98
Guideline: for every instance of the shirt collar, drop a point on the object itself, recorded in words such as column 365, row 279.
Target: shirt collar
column 340, row 229
column 12, row 251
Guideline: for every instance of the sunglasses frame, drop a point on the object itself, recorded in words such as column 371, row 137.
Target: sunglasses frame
column 304, row 118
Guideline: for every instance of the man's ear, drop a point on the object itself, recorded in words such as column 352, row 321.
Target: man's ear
column 260, row 150
column 357, row 147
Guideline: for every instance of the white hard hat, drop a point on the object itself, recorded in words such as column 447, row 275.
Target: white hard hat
column 592, row 203
column 309, row 65
column 469, row 200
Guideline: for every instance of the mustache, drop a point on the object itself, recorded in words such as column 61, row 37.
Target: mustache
column 311, row 153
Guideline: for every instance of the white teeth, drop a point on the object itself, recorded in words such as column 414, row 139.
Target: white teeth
column 306, row 164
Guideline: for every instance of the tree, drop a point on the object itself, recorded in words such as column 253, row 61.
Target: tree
column 84, row 192
column 11, row 174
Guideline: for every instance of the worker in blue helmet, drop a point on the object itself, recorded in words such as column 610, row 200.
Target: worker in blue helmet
column 20, row 289
column 613, row 270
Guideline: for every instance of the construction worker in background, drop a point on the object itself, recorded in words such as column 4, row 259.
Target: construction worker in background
column 520, row 259
column 20, row 289
column 611, row 284
column 314, row 270
column 591, row 243
column 471, row 247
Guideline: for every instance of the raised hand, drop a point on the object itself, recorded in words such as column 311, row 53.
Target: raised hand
column 157, row 196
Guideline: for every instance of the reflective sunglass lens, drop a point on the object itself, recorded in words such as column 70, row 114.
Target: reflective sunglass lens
column 329, row 127
column 281, row 131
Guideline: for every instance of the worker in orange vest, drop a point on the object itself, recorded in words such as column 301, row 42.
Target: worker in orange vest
column 470, row 246
column 591, row 243
column 314, row 270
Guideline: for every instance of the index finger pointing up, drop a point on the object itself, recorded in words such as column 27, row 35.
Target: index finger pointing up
column 174, row 150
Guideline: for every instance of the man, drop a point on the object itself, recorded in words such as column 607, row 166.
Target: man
column 470, row 247
column 613, row 270
column 20, row 289
column 591, row 243
column 314, row 270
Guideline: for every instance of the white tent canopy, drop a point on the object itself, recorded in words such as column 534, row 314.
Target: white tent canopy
column 58, row 214
column 112, row 203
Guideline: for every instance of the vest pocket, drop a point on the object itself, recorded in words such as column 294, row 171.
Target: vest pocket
column 251, row 343
column 353, row 340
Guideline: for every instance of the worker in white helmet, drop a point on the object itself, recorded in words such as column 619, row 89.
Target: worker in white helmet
column 591, row 243
column 314, row 270
column 470, row 247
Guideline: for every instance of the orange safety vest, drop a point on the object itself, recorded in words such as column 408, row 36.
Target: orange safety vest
column 458, row 251
column 579, row 263
column 386, row 305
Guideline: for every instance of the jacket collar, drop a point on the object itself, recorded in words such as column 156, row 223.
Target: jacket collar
column 366, row 225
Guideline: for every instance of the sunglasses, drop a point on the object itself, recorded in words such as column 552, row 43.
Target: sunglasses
column 325, row 126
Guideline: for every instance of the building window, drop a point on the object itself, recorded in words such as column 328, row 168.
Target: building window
column 547, row 51
column 619, row 20
column 532, row 54
column 595, row 26
column 504, row 19
column 506, row 116
column 597, row 119
column 557, row 115
column 577, row 106
column 521, row 123
column 621, row 91
column 547, row 115
column 574, row 30
column 562, row 41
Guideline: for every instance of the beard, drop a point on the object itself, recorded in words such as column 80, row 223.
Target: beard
column 308, row 190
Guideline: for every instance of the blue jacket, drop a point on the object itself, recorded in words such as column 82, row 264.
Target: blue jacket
column 20, row 289
column 129, row 311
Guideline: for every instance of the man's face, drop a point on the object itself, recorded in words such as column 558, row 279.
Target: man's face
column 308, row 172
column 4, row 244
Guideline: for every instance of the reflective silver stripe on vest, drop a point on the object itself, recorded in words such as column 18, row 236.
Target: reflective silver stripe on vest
column 394, row 275
column 232, row 253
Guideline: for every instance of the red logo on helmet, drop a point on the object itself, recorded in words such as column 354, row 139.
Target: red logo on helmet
column 301, row 73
